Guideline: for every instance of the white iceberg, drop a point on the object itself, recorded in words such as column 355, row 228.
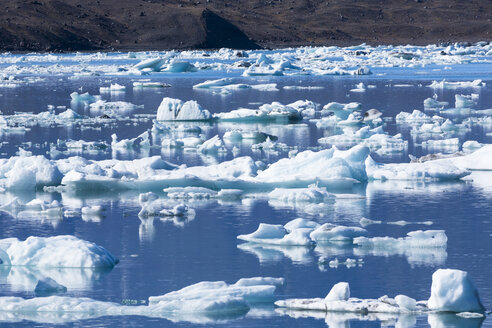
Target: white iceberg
column 55, row 252
column 177, row 110
column 452, row 291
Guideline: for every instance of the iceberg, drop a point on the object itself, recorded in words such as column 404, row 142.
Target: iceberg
column 200, row 303
column 227, row 84
column 113, row 88
column 455, row 85
column 414, row 239
column 176, row 110
column 275, row 111
column 451, row 291
column 55, row 252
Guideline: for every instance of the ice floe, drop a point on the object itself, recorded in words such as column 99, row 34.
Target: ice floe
column 461, row 297
column 202, row 302
column 55, row 252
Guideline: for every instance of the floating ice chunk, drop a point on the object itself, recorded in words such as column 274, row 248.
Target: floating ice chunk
column 463, row 101
column 339, row 292
column 146, row 84
column 342, row 111
column 267, row 112
column 418, row 239
column 48, row 286
column 112, row 108
column 433, row 103
column 266, row 70
column 56, row 252
column 312, row 194
column 415, row 117
column 113, row 88
column 432, row 170
column 302, row 87
column 240, row 135
column 213, row 145
column 213, row 83
column 199, row 303
column 84, row 145
column 227, row 84
column 24, row 173
column 153, row 206
column 359, row 88
column 307, row 108
column 179, row 67
column 37, row 206
column 364, row 222
column 269, row 145
column 452, row 290
column 140, row 141
column 84, row 98
column 176, row 110
column 153, row 64
column 372, row 138
column 177, row 210
column 207, row 296
column 329, row 232
column 277, row 235
column 341, row 71
column 455, row 85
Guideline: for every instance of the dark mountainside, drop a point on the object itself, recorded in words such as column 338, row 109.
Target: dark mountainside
column 69, row 25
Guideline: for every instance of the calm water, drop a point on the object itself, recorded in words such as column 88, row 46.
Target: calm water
column 158, row 256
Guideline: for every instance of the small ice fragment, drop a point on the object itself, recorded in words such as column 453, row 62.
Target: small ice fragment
column 364, row 222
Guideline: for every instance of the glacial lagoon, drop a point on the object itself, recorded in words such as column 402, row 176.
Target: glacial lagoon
column 190, row 237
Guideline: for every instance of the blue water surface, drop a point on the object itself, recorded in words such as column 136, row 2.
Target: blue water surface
column 161, row 255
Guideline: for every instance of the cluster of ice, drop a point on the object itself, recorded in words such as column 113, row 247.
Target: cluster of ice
column 419, row 239
column 455, row 85
column 275, row 112
column 113, row 88
column 55, row 252
column 172, row 109
column 430, row 171
column 194, row 303
column 112, row 108
column 328, row 167
column 226, row 84
column 83, row 99
column 152, row 205
column 374, row 138
column 451, row 291
column 300, row 232
column 148, row 84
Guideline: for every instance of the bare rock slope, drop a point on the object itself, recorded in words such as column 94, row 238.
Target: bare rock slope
column 68, row 25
